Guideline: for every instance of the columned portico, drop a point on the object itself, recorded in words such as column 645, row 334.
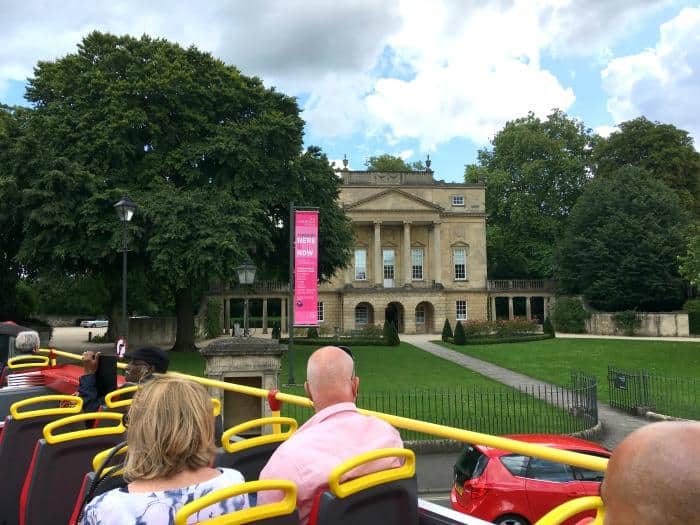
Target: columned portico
column 378, row 269
column 407, row 267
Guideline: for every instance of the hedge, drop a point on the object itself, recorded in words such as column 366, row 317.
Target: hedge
column 496, row 340
column 693, row 308
column 321, row 341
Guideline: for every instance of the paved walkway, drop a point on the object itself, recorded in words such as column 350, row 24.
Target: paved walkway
column 616, row 424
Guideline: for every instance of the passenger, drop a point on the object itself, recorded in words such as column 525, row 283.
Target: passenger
column 143, row 363
column 27, row 342
column 170, row 438
column 653, row 476
column 336, row 433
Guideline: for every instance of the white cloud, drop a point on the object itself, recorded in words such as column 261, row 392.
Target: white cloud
column 605, row 131
column 660, row 83
column 406, row 154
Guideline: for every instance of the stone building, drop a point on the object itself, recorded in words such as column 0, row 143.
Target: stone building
column 419, row 257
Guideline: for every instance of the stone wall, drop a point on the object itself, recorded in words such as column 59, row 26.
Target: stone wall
column 665, row 324
column 152, row 330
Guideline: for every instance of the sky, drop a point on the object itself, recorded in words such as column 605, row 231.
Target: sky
column 408, row 77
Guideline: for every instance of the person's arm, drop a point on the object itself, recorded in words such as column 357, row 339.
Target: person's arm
column 87, row 386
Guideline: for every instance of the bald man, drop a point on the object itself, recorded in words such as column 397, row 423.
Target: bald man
column 336, row 432
column 653, row 476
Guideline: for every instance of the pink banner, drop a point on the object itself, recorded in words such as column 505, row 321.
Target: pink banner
column 306, row 268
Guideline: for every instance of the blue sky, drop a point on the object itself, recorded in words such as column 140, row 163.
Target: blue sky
column 408, row 77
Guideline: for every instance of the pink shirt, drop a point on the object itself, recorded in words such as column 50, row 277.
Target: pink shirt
column 333, row 435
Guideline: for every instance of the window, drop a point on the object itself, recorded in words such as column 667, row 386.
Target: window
column 516, row 465
column 549, row 471
column 360, row 264
column 319, row 311
column 361, row 314
column 457, row 200
column 461, row 307
column 470, row 465
column 420, row 314
column 459, row 255
column 417, row 264
column 389, row 258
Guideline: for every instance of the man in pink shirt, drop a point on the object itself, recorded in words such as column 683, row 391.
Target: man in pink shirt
column 336, row 433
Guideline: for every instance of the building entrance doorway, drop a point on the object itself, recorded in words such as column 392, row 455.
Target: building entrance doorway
column 394, row 315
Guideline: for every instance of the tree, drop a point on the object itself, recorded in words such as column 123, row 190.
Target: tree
column 446, row 331
column 390, row 335
column 211, row 156
column 460, row 337
column 622, row 244
column 389, row 163
column 690, row 262
column 660, row 149
column 533, row 175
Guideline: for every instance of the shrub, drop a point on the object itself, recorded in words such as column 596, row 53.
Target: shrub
column 627, row 321
column 391, row 336
column 372, row 331
column 446, row 331
column 569, row 315
column 460, row 336
column 312, row 333
column 548, row 327
column 491, row 340
column 276, row 330
column 693, row 308
column 213, row 324
column 474, row 328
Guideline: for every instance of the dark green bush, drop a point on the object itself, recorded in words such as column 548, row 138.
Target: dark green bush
column 276, row 330
column 548, row 327
column 312, row 333
column 391, row 336
column 693, row 308
column 446, row 331
column 460, row 337
column 497, row 340
column 326, row 341
column 569, row 315
column 627, row 321
column 213, row 324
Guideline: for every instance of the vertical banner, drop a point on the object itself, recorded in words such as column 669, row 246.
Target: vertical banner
column 305, row 268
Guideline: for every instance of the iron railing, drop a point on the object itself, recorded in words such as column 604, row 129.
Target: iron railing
column 543, row 285
column 527, row 409
column 258, row 287
column 639, row 391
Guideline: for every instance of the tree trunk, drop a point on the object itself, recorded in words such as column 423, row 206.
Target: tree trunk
column 115, row 323
column 184, row 339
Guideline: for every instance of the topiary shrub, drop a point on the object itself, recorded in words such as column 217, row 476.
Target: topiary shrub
column 275, row 330
column 460, row 336
column 391, row 336
column 212, row 327
column 548, row 327
column 569, row 315
column 446, row 331
column 628, row 321
column 693, row 308
column 312, row 333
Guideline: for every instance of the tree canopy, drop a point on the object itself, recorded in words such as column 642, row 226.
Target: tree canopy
column 690, row 261
column 211, row 157
column 534, row 173
column 662, row 150
column 390, row 163
column 621, row 246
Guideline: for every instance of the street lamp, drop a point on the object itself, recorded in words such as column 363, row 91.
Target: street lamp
column 246, row 275
column 125, row 209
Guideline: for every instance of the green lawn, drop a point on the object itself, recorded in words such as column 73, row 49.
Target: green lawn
column 554, row 359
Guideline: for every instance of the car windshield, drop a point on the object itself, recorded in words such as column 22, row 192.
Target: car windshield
column 471, row 464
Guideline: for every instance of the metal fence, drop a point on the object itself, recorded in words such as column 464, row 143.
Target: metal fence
column 640, row 391
column 531, row 408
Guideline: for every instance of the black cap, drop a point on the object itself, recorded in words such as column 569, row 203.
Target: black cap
column 155, row 357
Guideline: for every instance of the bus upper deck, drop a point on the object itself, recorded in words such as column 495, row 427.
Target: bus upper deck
column 62, row 379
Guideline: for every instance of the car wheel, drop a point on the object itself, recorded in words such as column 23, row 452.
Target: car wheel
column 511, row 519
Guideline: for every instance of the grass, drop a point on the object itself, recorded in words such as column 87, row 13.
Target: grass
column 554, row 359
column 406, row 381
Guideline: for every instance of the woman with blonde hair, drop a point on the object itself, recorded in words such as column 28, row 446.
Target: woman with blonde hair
column 170, row 437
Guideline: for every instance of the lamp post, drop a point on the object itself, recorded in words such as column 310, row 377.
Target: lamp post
column 246, row 275
column 125, row 209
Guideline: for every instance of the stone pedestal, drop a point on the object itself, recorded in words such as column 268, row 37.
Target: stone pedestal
column 247, row 361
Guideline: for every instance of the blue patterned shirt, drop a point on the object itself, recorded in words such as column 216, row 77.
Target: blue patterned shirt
column 121, row 507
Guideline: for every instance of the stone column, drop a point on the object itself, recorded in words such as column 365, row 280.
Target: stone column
column 264, row 316
column 227, row 316
column 378, row 263
column 528, row 307
column 510, row 307
column 283, row 321
column 437, row 253
column 493, row 307
column 407, row 263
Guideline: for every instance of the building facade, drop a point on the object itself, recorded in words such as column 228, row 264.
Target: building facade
column 419, row 254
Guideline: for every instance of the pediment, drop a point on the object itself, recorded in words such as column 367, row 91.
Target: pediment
column 393, row 200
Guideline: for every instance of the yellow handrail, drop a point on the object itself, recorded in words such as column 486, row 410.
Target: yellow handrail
column 119, row 403
column 68, row 355
column 250, row 515
column 569, row 509
column 265, row 439
column 27, row 361
column 75, row 407
column 343, row 490
column 53, row 439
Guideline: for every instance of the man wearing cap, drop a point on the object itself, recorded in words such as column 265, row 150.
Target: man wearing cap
column 143, row 363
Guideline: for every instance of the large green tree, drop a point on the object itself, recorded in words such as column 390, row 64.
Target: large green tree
column 391, row 163
column 621, row 246
column 533, row 173
column 662, row 150
column 690, row 261
column 209, row 154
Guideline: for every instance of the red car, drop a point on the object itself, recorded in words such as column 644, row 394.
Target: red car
column 511, row 489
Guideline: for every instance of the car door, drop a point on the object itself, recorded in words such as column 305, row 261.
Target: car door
column 590, row 479
column 548, row 485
